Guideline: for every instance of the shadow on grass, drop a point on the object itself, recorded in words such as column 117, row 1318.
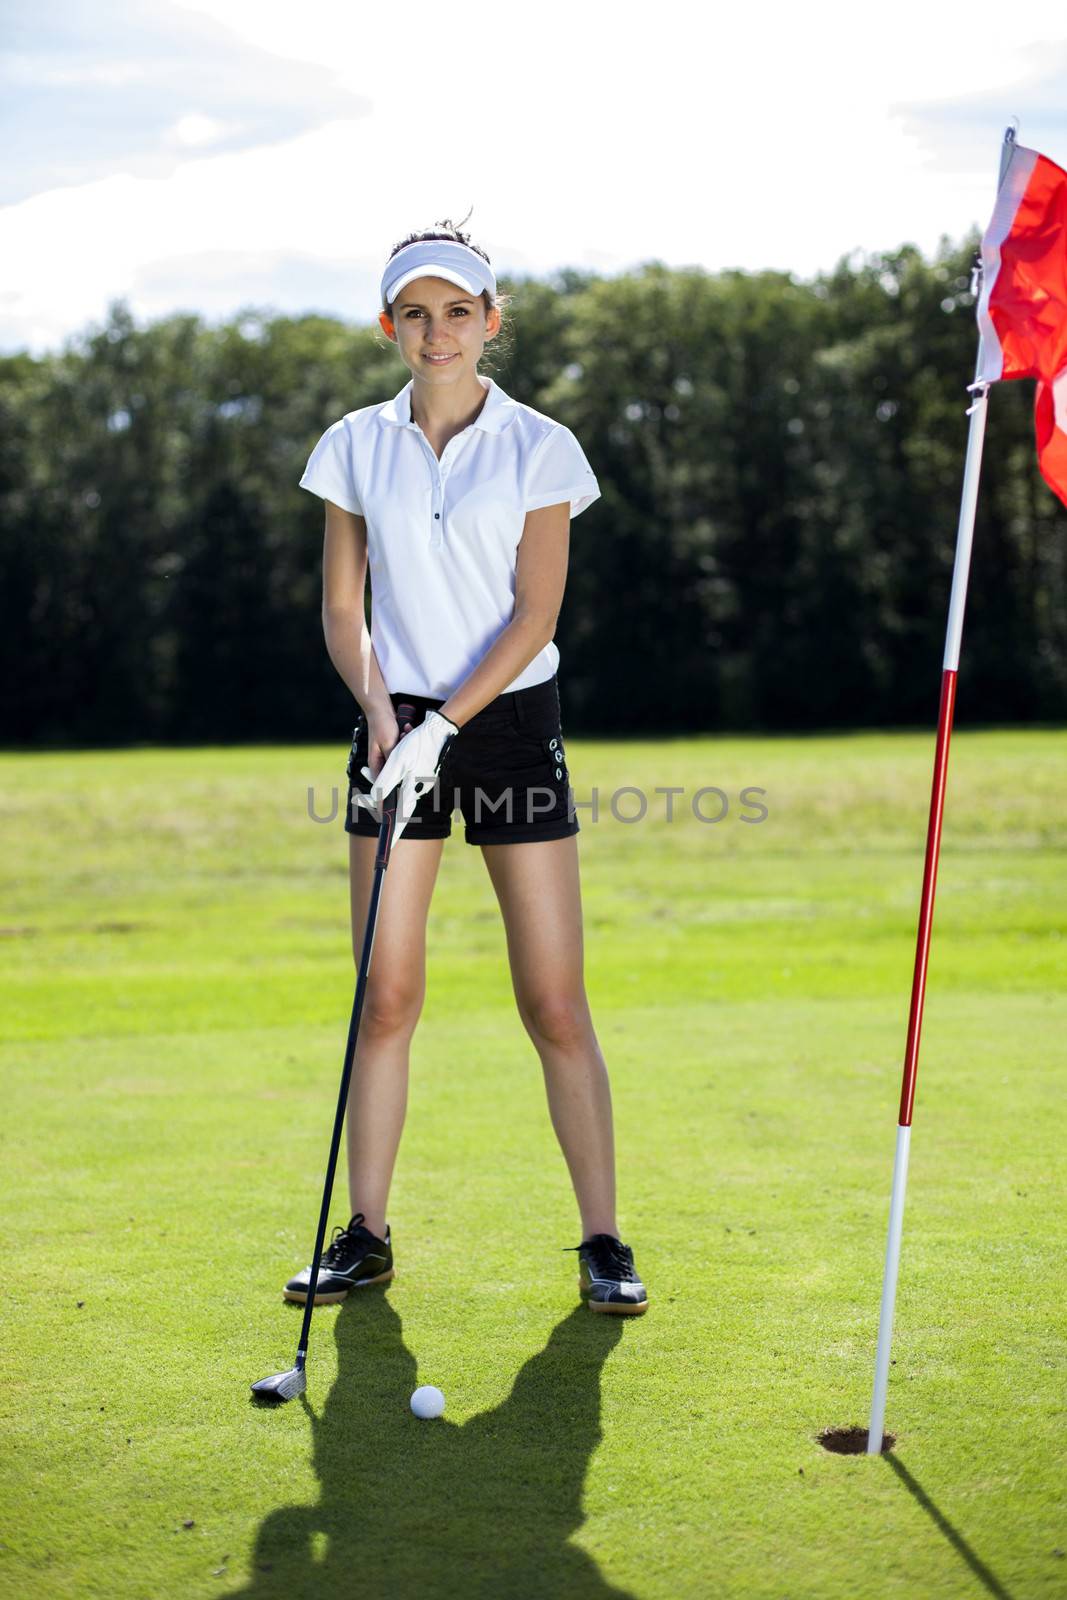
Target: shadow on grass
column 956, row 1540
column 436, row 1508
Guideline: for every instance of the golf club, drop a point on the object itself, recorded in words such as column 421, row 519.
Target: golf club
column 286, row 1385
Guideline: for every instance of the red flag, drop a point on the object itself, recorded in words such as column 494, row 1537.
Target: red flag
column 1022, row 312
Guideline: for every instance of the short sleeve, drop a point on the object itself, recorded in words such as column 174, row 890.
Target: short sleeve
column 329, row 472
column 559, row 471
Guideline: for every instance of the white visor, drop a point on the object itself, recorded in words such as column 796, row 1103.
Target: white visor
column 437, row 258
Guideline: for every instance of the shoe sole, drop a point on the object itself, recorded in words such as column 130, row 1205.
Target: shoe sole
column 618, row 1307
column 334, row 1299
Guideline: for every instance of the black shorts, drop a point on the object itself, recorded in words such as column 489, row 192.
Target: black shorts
column 506, row 771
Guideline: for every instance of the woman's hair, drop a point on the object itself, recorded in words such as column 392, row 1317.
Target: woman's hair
column 447, row 229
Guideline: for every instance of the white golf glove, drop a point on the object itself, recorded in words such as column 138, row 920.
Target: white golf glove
column 413, row 763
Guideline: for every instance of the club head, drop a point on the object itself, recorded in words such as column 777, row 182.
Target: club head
column 283, row 1386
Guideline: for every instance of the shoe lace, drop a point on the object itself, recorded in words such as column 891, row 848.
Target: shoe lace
column 610, row 1257
column 340, row 1242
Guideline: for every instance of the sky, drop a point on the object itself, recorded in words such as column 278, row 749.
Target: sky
column 216, row 156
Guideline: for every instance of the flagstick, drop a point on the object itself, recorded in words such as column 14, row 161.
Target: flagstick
column 950, row 667
column 926, row 914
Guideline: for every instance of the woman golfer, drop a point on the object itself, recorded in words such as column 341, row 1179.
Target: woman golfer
column 460, row 499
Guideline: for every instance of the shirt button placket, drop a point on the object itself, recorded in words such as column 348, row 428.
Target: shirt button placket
column 438, row 530
column 437, row 494
column 437, row 520
column 440, row 470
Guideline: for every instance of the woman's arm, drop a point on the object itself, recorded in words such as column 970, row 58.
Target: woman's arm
column 344, row 621
column 540, row 579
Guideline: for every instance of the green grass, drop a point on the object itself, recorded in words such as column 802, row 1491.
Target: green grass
column 176, row 986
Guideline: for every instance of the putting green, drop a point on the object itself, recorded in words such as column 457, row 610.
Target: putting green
column 177, row 982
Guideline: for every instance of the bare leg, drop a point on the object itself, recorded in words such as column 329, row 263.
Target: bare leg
column 396, row 987
column 538, row 888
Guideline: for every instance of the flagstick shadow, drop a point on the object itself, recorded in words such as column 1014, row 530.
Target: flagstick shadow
column 959, row 1543
column 441, row 1509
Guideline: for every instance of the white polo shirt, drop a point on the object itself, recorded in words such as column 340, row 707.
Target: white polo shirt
column 442, row 535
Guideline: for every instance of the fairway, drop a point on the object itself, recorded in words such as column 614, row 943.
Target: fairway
column 177, row 980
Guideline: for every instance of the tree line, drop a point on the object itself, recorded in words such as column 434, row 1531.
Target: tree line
column 780, row 464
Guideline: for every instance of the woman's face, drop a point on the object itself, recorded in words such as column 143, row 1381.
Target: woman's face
column 433, row 317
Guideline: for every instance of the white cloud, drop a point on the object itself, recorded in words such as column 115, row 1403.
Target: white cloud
column 130, row 85
column 951, row 130
column 195, row 130
column 781, row 137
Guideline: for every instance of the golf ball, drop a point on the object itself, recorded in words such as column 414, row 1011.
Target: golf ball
column 427, row 1401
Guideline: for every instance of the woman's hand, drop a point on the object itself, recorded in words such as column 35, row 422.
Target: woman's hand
column 405, row 757
column 415, row 760
column 383, row 735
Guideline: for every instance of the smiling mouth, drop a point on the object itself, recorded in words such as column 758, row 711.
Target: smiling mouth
column 440, row 361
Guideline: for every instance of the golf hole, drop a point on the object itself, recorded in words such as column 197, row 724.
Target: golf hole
column 851, row 1441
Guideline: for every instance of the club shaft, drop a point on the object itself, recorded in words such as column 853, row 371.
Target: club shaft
column 381, row 861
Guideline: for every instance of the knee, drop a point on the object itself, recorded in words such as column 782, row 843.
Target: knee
column 557, row 1019
column 391, row 1005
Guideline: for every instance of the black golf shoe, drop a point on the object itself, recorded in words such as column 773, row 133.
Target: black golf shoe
column 606, row 1277
column 353, row 1258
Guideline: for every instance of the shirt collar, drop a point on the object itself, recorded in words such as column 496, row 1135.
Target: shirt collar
column 497, row 413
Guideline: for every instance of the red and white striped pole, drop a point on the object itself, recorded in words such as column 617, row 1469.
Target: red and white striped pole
column 950, row 667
